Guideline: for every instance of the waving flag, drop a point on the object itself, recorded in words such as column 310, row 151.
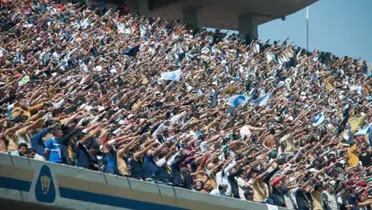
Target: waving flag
column 319, row 119
column 355, row 122
column 364, row 131
column 262, row 101
column 237, row 100
column 330, row 85
column 172, row 75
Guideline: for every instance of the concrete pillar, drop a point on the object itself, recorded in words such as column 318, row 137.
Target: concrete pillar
column 248, row 24
column 143, row 7
column 193, row 16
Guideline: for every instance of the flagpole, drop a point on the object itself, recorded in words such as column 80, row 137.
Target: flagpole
column 307, row 29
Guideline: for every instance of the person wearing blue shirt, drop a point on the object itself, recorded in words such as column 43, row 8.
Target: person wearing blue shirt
column 149, row 162
column 86, row 152
column 37, row 141
column 110, row 159
column 53, row 147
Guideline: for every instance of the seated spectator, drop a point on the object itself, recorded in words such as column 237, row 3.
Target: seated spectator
column 220, row 191
column 21, row 151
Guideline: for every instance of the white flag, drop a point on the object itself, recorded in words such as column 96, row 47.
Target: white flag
column 364, row 131
column 172, row 75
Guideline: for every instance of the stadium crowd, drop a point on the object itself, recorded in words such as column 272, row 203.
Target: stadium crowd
column 164, row 102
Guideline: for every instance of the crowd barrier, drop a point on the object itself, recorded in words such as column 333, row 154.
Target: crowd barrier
column 28, row 180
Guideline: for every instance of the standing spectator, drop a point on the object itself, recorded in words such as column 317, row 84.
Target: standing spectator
column 329, row 198
column 110, row 159
column 53, row 147
column 365, row 156
column 86, row 153
column 316, row 194
column 260, row 189
column 303, row 196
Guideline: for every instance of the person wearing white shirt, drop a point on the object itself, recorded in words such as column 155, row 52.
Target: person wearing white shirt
column 220, row 191
column 243, row 185
column 329, row 198
column 222, row 176
column 161, row 128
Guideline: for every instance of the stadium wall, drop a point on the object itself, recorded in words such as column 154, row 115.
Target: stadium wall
column 28, row 180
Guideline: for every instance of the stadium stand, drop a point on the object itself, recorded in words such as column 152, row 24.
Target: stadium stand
column 171, row 104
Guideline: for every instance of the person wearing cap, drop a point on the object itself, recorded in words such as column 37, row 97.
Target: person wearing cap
column 277, row 192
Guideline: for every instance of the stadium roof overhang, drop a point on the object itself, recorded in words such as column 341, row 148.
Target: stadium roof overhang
column 225, row 13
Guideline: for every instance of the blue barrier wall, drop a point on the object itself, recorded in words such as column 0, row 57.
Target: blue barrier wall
column 34, row 181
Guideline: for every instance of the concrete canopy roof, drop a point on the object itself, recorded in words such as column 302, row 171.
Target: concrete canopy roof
column 225, row 13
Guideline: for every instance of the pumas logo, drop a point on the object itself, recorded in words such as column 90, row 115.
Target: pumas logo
column 44, row 189
column 45, row 184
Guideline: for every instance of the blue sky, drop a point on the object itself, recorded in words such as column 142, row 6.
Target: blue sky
column 343, row 27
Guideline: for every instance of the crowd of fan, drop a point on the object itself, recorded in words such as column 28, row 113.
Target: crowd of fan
column 164, row 102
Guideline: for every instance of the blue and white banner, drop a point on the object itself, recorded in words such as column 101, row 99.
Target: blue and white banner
column 237, row 100
column 262, row 101
column 364, row 131
column 172, row 75
column 319, row 119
